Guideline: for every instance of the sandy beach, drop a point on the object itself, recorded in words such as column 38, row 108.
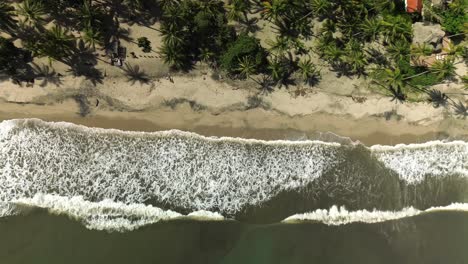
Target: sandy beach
column 203, row 105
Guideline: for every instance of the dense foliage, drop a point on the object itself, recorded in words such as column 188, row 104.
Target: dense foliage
column 362, row 38
column 455, row 17
column 10, row 57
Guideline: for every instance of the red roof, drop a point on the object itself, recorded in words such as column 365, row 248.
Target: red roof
column 414, row 6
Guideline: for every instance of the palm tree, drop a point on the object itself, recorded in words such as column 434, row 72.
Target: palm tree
column 420, row 50
column 7, row 12
column 206, row 55
column 444, row 69
column 274, row 9
column 237, row 10
column 89, row 14
column 279, row 46
column 246, row 67
column 396, row 27
column 173, row 56
column 333, row 53
column 92, row 37
column 32, row 11
column 399, row 50
column 356, row 60
column 277, row 70
column 370, row 28
column 455, row 51
column 57, row 43
column 308, row 72
column 172, row 35
column 320, row 8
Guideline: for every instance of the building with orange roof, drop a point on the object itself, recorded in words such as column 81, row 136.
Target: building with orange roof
column 414, row 6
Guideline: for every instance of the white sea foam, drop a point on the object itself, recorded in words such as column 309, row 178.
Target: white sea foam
column 340, row 216
column 104, row 215
column 115, row 216
column 185, row 169
column 436, row 158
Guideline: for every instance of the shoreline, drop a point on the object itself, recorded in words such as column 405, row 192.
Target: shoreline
column 248, row 124
column 216, row 108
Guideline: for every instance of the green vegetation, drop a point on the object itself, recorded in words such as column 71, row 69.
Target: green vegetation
column 246, row 50
column 455, row 17
column 144, row 44
column 369, row 39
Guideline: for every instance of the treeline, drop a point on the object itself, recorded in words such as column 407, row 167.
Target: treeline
column 365, row 38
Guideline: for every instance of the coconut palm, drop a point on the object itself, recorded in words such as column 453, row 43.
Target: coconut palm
column 308, row 72
column 89, row 15
column 320, row 8
column 92, row 37
column 56, row 44
column 437, row 98
column 32, row 11
column 370, row 28
column 274, row 9
column 246, row 67
column 420, row 50
column 396, row 27
column 356, row 60
column 393, row 78
column 399, row 50
column 454, row 51
column 238, row 9
column 172, row 35
column 445, row 69
column 7, row 12
column 206, row 55
column 278, row 70
column 279, row 46
column 173, row 56
column 333, row 53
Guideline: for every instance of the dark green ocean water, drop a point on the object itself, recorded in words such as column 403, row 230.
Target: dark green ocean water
column 140, row 187
column 432, row 238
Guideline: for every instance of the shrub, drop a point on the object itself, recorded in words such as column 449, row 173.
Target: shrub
column 455, row 17
column 145, row 44
column 244, row 46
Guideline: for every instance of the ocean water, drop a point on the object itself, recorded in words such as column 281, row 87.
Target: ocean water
column 73, row 194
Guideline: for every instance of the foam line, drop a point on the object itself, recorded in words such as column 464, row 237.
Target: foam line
column 340, row 216
column 106, row 215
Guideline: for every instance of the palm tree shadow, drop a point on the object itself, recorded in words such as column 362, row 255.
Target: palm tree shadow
column 250, row 25
column 46, row 75
column 82, row 62
column 135, row 74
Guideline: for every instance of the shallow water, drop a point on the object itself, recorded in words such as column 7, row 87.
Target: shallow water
column 178, row 197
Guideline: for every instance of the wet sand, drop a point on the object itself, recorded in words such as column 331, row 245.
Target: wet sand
column 256, row 123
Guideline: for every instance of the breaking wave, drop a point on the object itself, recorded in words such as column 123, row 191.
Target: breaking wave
column 189, row 171
column 104, row 215
column 114, row 216
column 340, row 216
